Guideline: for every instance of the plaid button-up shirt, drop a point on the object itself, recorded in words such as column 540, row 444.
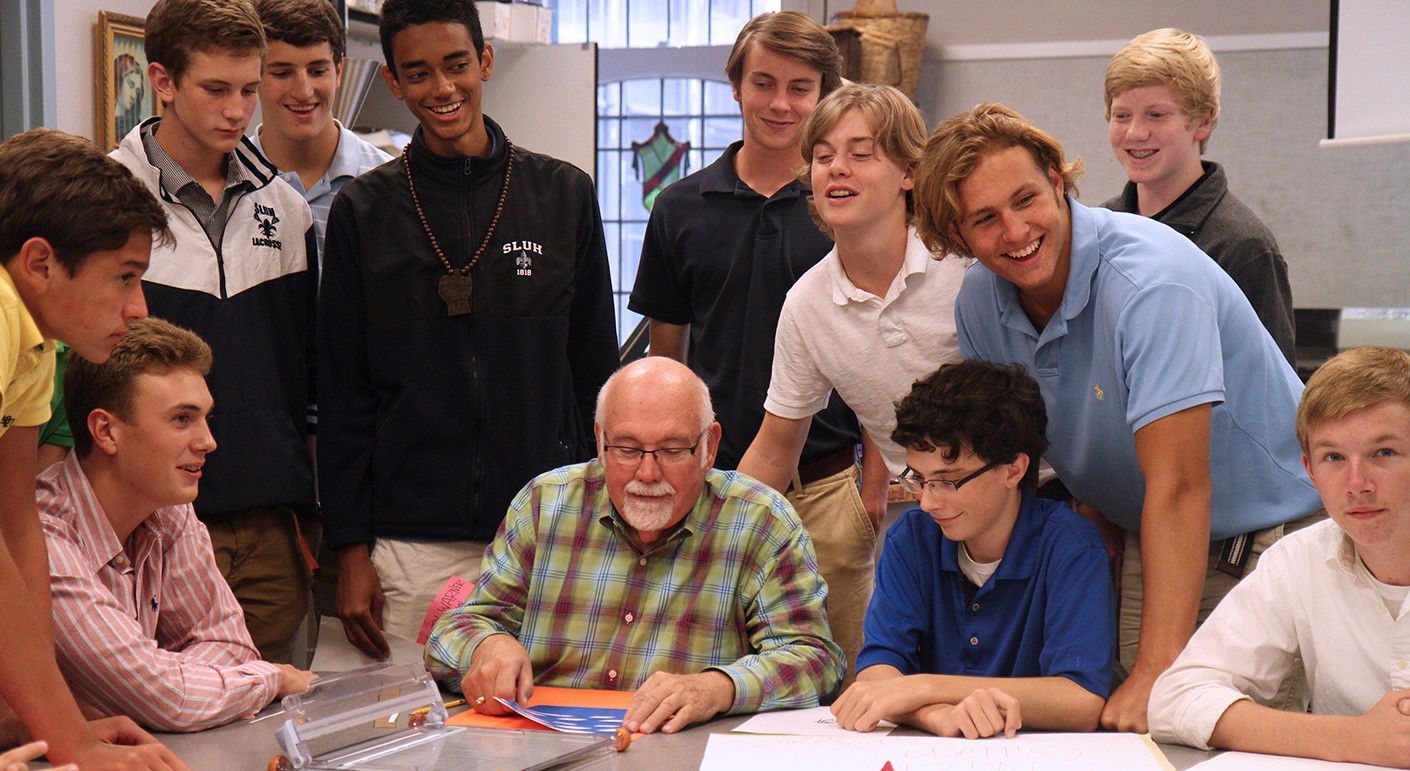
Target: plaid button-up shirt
column 734, row 587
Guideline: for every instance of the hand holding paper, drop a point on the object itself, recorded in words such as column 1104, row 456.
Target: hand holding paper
column 499, row 669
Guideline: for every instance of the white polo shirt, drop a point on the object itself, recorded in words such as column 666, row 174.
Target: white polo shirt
column 833, row 335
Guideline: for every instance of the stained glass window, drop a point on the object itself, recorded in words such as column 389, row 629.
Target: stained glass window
column 698, row 108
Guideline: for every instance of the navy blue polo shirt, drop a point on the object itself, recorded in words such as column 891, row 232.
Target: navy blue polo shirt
column 1048, row 611
column 721, row 257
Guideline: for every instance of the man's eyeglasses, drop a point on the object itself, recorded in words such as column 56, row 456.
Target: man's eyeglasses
column 666, row 456
column 915, row 484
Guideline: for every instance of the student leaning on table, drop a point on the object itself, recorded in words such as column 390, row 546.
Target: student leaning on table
column 144, row 624
column 993, row 609
column 1338, row 593
column 647, row 570
column 1168, row 402
column 75, row 230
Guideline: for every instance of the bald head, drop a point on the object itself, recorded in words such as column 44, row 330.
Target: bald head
column 656, row 381
column 648, row 407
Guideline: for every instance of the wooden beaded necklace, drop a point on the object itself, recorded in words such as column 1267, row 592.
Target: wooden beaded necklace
column 456, row 286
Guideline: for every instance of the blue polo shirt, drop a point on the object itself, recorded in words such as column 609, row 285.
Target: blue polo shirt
column 1048, row 611
column 1149, row 326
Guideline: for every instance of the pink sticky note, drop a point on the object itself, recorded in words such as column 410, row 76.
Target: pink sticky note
column 452, row 594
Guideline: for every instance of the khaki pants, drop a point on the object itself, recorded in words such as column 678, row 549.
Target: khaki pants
column 413, row 572
column 844, row 541
column 261, row 556
column 1216, row 584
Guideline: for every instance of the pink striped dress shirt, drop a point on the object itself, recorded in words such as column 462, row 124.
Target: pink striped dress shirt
column 150, row 631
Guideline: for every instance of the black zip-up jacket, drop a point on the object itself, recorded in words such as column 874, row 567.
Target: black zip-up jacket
column 429, row 424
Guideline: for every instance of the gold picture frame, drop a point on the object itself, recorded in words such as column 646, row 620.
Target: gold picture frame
column 125, row 94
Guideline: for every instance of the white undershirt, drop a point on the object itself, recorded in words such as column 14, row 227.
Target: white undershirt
column 1393, row 596
column 977, row 572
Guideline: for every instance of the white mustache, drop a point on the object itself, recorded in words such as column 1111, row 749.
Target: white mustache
column 649, row 489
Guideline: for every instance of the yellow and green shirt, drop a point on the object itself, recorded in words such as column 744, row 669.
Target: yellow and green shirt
column 26, row 362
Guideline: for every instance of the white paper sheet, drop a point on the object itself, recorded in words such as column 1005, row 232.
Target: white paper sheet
column 863, row 752
column 817, row 721
column 1247, row 761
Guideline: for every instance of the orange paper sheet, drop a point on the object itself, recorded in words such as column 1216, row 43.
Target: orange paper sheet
column 546, row 695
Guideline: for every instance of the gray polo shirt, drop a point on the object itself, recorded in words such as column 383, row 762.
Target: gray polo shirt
column 183, row 187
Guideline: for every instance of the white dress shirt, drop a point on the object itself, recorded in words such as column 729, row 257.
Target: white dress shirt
column 1310, row 594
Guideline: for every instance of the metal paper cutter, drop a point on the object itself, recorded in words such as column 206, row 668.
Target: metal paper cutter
column 391, row 716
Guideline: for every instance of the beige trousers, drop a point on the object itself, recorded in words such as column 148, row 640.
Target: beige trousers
column 1216, row 584
column 844, row 541
column 412, row 572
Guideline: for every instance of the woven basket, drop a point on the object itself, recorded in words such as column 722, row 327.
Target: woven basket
column 892, row 47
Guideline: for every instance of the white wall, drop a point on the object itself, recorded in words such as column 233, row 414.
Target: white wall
column 1338, row 214
column 964, row 23
column 74, row 24
column 952, row 23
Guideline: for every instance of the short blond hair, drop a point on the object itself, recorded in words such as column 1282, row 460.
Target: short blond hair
column 1351, row 381
column 1169, row 57
column 954, row 150
column 151, row 347
column 896, row 125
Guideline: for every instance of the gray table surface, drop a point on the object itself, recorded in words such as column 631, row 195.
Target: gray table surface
column 250, row 745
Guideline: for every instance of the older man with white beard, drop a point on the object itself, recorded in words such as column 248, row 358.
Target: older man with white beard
column 646, row 570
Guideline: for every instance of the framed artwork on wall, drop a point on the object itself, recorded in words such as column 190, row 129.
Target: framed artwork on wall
column 125, row 95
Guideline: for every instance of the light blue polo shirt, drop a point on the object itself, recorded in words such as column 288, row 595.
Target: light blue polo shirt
column 1149, row 326
column 354, row 157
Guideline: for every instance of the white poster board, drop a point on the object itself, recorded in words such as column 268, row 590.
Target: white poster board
column 864, row 752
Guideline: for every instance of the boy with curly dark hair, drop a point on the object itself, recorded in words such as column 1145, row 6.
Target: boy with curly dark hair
column 1003, row 616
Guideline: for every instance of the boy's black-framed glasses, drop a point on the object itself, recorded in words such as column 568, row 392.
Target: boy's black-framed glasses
column 914, row 483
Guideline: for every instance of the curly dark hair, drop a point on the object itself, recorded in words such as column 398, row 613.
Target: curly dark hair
column 992, row 410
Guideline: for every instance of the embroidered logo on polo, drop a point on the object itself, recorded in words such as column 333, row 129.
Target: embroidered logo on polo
column 523, row 252
column 1099, row 392
column 268, row 223
column 6, row 421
